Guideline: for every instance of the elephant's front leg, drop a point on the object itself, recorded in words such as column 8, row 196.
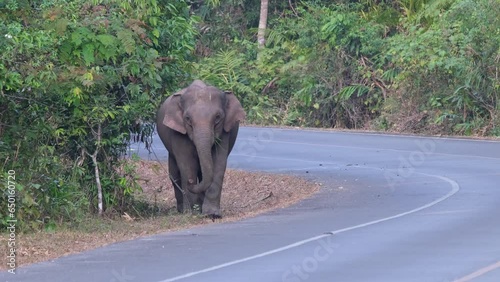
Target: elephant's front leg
column 211, row 203
column 189, row 173
column 191, row 201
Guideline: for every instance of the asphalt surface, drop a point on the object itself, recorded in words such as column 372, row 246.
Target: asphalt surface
column 392, row 209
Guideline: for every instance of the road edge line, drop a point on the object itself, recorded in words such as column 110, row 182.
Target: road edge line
column 479, row 272
column 453, row 191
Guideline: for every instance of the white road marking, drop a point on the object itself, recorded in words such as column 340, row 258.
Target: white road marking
column 454, row 189
column 480, row 272
column 447, row 212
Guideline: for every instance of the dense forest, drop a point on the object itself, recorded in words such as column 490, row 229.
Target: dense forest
column 79, row 79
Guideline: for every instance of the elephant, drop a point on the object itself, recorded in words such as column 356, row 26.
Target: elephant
column 198, row 126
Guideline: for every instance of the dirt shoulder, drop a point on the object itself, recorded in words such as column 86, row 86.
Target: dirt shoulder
column 245, row 194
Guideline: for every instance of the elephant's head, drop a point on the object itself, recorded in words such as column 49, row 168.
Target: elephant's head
column 203, row 112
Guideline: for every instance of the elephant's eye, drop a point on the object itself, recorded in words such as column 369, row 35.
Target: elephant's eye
column 187, row 119
column 217, row 118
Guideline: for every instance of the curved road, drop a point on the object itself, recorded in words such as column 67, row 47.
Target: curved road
column 392, row 209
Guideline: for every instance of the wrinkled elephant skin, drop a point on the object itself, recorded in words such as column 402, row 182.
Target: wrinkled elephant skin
column 198, row 125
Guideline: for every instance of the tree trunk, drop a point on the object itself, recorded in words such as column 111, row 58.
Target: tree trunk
column 261, row 34
column 96, row 169
column 98, row 183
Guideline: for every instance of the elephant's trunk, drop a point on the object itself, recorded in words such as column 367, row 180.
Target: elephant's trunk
column 204, row 141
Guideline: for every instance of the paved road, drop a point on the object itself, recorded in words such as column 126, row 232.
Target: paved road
column 392, row 209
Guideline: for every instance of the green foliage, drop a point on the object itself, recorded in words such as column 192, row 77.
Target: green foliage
column 226, row 70
column 305, row 75
column 76, row 78
column 412, row 65
column 455, row 60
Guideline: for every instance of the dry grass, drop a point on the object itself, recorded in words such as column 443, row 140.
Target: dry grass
column 244, row 194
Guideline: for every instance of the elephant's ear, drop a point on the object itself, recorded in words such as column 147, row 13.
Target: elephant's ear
column 234, row 111
column 173, row 113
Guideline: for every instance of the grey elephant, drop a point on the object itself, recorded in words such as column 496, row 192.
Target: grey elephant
column 198, row 125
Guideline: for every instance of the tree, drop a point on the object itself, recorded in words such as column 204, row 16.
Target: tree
column 261, row 34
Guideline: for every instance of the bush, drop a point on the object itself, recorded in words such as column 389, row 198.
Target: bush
column 450, row 67
column 76, row 79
